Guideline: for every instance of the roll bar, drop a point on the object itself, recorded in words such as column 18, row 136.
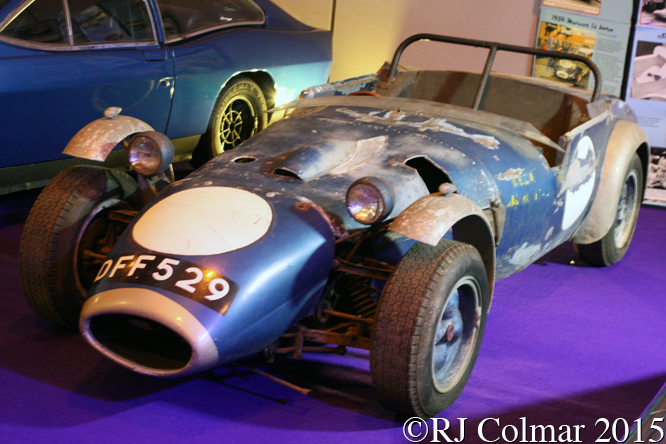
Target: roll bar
column 493, row 47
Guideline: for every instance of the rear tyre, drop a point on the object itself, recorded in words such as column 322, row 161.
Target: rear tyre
column 239, row 113
column 67, row 222
column 612, row 247
column 428, row 328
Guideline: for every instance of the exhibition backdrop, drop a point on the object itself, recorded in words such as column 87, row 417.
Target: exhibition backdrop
column 646, row 89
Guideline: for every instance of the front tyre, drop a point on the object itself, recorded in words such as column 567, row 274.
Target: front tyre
column 65, row 236
column 428, row 328
column 612, row 247
column 239, row 113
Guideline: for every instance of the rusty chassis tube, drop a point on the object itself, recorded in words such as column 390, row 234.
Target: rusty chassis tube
column 120, row 216
column 348, row 316
column 353, row 337
column 493, row 47
column 346, row 237
column 361, row 270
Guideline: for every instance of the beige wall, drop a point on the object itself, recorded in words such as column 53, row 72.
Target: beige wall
column 366, row 32
column 315, row 13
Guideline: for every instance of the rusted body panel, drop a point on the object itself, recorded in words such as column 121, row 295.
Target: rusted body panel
column 326, row 143
column 98, row 138
column 621, row 147
column 430, row 218
column 268, row 231
column 485, row 161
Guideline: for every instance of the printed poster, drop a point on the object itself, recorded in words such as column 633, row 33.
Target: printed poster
column 585, row 6
column 609, row 10
column 653, row 13
column 602, row 41
column 646, row 94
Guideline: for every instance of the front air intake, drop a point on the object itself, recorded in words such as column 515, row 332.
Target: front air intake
column 147, row 332
column 141, row 340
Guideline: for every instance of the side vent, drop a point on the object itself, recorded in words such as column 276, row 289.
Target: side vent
column 286, row 173
column 431, row 174
column 245, row 159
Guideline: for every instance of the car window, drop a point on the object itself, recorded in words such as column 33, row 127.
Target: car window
column 109, row 21
column 41, row 22
column 185, row 17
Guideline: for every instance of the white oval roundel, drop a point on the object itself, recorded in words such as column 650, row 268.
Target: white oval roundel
column 204, row 221
column 582, row 169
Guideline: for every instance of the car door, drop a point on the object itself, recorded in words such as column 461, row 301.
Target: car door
column 216, row 40
column 63, row 62
column 212, row 40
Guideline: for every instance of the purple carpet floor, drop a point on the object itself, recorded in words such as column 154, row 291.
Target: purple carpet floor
column 566, row 344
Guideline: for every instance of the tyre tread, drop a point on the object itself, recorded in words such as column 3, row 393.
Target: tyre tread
column 40, row 254
column 603, row 252
column 399, row 323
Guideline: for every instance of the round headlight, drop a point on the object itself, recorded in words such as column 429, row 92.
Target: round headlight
column 150, row 153
column 369, row 200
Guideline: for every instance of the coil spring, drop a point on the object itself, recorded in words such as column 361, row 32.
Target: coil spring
column 361, row 298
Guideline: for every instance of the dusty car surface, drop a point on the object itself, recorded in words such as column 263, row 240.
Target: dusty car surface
column 202, row 72
column 378, row 214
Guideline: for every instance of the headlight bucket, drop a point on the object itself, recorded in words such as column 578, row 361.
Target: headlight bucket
column 150, row 153
column 369, row 200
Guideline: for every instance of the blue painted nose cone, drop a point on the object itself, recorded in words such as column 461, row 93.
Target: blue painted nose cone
column 165, row 295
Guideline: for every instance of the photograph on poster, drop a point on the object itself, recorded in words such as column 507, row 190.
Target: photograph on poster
column 556, row 37
column 653, row 13
column 584, row 6
column 649, row 74
column 646, row 94
column 656, row 179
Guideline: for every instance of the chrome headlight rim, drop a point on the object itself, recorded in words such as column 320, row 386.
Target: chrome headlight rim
column 150, row 144
column 381, row 193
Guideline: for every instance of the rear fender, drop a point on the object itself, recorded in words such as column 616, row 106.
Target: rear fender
column 626, row 139
column 428, row 219
column 98, row 138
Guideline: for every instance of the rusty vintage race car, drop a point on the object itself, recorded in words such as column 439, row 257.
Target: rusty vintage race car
column 377, row 214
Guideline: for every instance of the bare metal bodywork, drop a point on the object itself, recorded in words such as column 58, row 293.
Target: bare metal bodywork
column 431, row 217
column 511, row 166
column 380, row 136
column 626, row 139
column 98, row 138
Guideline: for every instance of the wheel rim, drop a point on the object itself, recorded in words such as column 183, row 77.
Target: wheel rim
column 456, row 334
column 238, row 122
column 626, row 210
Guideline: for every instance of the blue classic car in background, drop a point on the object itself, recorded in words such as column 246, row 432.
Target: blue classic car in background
column 186, row 67
column 378, row 214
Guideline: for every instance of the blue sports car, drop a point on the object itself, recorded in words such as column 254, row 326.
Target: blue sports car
column 202, row 72
column 378, row 214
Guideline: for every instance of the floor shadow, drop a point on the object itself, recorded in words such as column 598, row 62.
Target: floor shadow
column 564, row 254
column 583, row 410
column 14, row 208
